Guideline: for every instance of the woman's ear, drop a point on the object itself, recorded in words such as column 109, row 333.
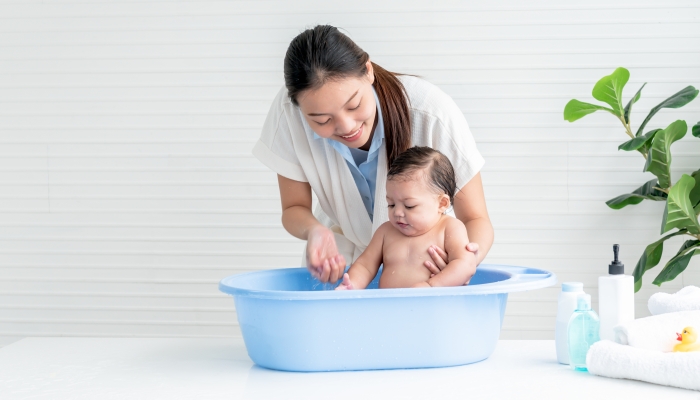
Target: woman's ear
column 444, row 203
column 370, row 71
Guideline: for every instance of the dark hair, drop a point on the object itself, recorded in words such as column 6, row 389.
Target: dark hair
column 323, row 53
column 440, row 173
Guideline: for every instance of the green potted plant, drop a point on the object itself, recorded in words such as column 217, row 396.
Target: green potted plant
column 682, row 197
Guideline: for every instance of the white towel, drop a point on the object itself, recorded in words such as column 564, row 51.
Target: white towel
column 685, row 299
column 657, row 332
column 607, row 358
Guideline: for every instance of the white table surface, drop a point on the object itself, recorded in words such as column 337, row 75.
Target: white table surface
column 107, row 368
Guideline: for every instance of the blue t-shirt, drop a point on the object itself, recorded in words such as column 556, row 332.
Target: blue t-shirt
column 363, row 164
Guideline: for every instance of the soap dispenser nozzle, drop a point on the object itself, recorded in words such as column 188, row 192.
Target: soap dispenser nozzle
column 616, row 267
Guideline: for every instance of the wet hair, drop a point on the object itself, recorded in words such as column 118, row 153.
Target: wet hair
column 323, row 54
column 439, row 171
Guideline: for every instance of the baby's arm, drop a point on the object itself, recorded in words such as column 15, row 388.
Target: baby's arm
column 461, row 263
column 365, row 268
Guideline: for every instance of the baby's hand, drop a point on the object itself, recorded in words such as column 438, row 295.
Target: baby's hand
column 345, row 284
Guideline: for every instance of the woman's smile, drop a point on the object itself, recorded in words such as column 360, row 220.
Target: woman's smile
column 354, row 135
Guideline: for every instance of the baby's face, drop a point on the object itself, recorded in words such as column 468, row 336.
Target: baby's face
column 414, row 208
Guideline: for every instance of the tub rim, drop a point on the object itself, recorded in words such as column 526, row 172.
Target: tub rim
column 521, row 279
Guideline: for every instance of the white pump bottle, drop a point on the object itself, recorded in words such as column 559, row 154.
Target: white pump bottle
column 615, row 297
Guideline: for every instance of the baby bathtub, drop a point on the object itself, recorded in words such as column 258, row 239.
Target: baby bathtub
column 291, row 322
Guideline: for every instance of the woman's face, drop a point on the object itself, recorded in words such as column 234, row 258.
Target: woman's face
column 342, row 110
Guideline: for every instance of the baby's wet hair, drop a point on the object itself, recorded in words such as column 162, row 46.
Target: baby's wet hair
column 439, row 171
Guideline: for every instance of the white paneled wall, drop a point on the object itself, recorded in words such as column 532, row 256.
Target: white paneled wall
column 127, row 188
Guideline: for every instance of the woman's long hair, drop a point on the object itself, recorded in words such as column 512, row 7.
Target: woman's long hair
column 323, row 53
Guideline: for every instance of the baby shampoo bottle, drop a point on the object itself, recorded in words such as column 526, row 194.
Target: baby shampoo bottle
column 583, row 330
column 565, row 307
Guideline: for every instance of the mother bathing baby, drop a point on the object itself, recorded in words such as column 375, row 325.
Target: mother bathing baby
column 335, row 128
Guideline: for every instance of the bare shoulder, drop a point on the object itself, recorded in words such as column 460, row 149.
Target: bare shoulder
column 454, row 227
column 384, row 229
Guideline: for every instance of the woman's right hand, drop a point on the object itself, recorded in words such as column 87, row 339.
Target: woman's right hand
column 324, row 261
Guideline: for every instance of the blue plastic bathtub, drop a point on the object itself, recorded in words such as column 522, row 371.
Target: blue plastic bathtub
column 291, row 322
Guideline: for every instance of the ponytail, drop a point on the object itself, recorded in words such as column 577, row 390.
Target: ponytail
column 395, row 112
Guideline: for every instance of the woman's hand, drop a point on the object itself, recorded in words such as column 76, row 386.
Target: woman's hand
column 438, row 257
column 324, row 261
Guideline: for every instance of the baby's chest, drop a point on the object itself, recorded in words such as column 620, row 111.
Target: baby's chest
column 410, row 250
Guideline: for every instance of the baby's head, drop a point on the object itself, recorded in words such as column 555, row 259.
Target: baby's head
column 420, row 187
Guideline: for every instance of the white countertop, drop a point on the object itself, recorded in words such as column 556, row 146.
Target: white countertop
column 106, row 368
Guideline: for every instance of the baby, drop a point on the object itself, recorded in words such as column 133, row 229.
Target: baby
column 420, row 187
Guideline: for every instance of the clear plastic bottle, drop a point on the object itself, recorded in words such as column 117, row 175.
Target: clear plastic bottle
column 584, row 330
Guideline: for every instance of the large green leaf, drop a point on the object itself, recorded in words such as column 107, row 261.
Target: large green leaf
column 678, row 100
column 609, row 89
column 646, row 191
column 679, row 262
column 639, row 141
column 650, row 258
column 577, row 109
column 696, row 130
column 680, row 211
column 664, row 217
column 694, row 195
column 659, row 157
column 628, row 107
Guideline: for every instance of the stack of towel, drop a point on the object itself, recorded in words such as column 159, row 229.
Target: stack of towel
column 686, row 299
column 643, row 348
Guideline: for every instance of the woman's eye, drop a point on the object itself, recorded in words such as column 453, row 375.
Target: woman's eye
column 356, row 107
column 324, row 122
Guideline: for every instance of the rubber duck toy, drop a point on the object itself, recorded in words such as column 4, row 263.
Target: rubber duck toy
column 687, row 340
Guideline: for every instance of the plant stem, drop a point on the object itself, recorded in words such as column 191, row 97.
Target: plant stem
column 629, row 133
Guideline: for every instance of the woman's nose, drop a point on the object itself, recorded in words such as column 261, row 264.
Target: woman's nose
column 345, row 125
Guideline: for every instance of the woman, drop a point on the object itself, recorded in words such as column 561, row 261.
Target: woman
column 334, row 129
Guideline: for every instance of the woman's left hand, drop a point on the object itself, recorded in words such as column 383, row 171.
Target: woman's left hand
column 439, row 258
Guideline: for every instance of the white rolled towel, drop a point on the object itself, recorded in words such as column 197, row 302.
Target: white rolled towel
column 685, row 299
column 607, row 358
column 657, row 332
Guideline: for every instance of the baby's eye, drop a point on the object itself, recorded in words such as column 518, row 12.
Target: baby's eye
column 390, row 205
column 409, row 207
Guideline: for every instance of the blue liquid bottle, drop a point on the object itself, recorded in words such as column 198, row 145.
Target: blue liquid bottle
column 584, row 330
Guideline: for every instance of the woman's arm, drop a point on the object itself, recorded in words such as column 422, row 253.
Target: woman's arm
column 322, row 256
column 470, row 208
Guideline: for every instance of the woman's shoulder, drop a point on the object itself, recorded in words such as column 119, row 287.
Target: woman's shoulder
column 423, row 95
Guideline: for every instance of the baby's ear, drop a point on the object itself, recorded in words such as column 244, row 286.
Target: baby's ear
column 444, row 203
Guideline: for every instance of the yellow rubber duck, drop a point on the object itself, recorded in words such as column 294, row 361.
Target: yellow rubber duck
column 687, row 340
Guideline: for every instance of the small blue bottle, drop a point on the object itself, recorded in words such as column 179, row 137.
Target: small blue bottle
column 584, row 330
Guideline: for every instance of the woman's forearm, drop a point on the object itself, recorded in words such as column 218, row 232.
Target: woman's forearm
column 480, row 231
column 298, row 221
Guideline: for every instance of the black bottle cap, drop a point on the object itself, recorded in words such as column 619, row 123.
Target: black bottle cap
column 616, row 267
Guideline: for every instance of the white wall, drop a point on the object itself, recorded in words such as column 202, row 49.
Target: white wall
column 127, row 188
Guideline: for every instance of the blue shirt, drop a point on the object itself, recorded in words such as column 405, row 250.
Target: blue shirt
column 363, row 164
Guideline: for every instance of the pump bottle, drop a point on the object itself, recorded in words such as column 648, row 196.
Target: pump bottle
column 615, row 297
